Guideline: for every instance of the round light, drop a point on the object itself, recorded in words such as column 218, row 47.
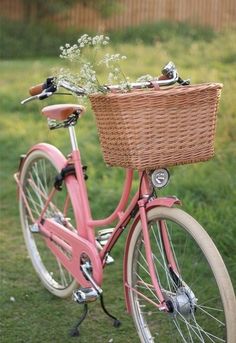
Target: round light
column 160, row 178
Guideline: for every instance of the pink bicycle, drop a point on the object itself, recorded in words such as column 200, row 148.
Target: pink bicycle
column 176, row 286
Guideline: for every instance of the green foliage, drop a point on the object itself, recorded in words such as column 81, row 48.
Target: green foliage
column 27, row 40
column 207, row 190
column 161, row 32
column 104, row 7
column 38, row 10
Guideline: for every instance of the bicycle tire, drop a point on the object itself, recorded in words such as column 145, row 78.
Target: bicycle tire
column 41, row 169
column 212, row 316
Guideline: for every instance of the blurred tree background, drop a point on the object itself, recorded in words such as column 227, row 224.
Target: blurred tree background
column 38, row 11
column 37, row 28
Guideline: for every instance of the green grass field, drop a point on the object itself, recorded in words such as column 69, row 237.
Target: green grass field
column 207, row 190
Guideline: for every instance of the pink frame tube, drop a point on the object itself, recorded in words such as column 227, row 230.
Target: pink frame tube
column 168, row 249
column 118, row 212
column 83, row 207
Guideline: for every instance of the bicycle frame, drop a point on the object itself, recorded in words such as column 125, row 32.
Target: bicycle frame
column 69, row 247
column 158, row 271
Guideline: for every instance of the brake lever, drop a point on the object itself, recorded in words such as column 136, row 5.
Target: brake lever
column 183, row 82
column 40, row 96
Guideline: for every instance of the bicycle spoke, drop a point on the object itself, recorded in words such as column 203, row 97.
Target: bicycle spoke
column 159, row 244
column 179, row 331
column 209, row 308
column 210, row 315
column 62, row 274
column 148, row 288
column 189, row 333
column 195, row 330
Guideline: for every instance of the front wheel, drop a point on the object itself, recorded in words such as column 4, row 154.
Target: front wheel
column 200, row 296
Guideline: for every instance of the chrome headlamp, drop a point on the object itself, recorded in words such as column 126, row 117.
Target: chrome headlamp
column 160, row 178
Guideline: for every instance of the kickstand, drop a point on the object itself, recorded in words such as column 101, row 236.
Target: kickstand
column 116, row 321
column 75, row 330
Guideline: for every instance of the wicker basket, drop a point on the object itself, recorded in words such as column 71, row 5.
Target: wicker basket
column 147, row 129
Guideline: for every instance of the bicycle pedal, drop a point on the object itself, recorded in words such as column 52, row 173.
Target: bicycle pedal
column 109, row 259
column 102, row 239
column 85, row 295
column 104, row 235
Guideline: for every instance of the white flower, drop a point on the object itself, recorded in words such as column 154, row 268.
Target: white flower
column 84, row 55
column 144, row 78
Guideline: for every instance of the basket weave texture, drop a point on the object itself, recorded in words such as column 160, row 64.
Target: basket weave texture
column 147, row 129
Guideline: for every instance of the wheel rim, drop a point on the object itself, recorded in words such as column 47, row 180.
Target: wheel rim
column 196, row 311
column 38, row 181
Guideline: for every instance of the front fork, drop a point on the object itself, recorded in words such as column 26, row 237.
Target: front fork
column 148, row 251
column 144, row 207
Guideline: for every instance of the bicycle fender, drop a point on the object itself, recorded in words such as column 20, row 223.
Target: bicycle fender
column 164, row 201
column 158, row 202
column 52, row 151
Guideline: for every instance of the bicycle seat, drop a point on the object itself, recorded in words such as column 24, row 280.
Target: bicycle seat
column 62, row 111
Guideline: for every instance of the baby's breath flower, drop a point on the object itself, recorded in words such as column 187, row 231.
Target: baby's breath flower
column 144, row 78
column 84, row 54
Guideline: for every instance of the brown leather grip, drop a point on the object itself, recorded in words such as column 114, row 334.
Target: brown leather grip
column 36, row 89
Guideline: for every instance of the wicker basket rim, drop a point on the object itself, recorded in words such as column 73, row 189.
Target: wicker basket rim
column 160, row 91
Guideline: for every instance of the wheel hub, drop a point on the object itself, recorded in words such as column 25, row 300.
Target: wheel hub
column 182, row 303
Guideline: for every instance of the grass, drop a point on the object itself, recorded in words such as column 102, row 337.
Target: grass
column 207, row 190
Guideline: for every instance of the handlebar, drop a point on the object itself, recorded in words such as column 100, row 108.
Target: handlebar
column 48, row 85
column 71, row 87
column 51, row 85
column 149, row 84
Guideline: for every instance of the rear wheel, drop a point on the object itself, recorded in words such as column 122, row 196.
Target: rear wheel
column 200, row 296
column 37, row 178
